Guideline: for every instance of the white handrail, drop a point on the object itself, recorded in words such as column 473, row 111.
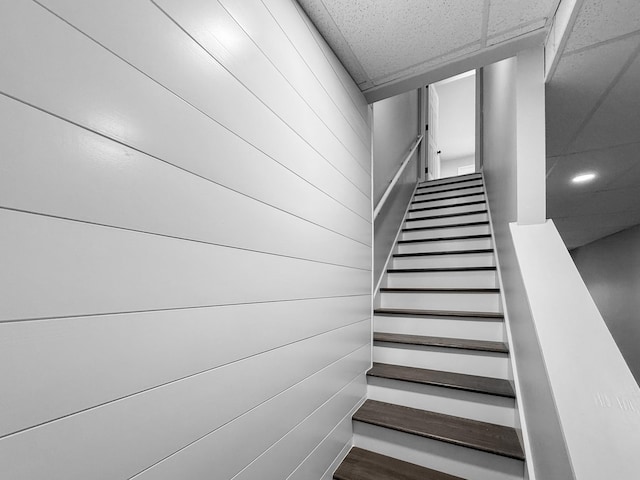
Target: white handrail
column 387, row 192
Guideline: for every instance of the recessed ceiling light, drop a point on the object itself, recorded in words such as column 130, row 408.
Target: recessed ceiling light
column 583, row 177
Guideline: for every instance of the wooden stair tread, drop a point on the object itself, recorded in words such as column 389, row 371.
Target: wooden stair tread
column 448, row 198
column 438, row 290
column 446, row 215
column 440, row 269
column 445, row 239
column 458, row 381
column 362, row 464
column 435, row 313
column 465, row 187
column 435, row 183
column 453, row 225
column 439, row 207
column 444, row 252
column 482, row 436
column 444, row 342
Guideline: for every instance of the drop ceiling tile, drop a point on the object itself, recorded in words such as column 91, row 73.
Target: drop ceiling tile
column 601, row 20
column 391, row 36
column 602, row 202
column 610, row 165
column 516, row 32
column 509, row 14
column 617, row 120
column 430, row 63
column 332, row 34
column 577, row 84
column 631, row 177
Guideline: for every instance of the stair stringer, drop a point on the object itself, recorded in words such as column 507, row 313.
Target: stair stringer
column 521, row 423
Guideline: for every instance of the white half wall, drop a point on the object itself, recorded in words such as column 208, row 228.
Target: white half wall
column 597, row 398
column 185, row 233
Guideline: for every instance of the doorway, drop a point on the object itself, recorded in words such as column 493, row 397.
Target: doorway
column 451, row 126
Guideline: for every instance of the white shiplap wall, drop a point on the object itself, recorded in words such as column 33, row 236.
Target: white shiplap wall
column 185, row 241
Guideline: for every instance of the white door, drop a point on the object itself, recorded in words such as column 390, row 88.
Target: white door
column 433, row 154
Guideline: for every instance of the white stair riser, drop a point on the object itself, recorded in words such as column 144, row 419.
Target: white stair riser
column 456, row 260
column 479, row 217
column 462, row 302
column 448, row 186
column 450, row 401
column 474, row 329
column 450, row 202
column 462, row 279
column 445, row 245
column 448, row 180
column 446, row 232
column 442, row 195
column 486, row 364
column 445, row 457
column 449, row 210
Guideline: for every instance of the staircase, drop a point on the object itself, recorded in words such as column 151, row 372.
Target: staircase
column 440, row 403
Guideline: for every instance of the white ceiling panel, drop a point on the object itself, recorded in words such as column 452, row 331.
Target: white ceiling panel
column 390, row 36
column 389, row 42
column 576, row 87
column 631, row 178
column 510, row 14
column 516, row 32
column 602, row 202
column 610, row 165
column 431, row 62
column 617, row 120
column 328, row 29
column 602, row 20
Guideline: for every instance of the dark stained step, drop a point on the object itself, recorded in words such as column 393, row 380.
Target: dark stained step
column 454, row 189
column 438, row 290
column 439, row 207
column 453, row 225
column 463, row 178
column 457, row 343
column 444, row 252
column 362, row 464
column 439, row 269
column 447, row 198
column 402, row 312
column 446, row 239
column 482, row 436
column 447, row 215
column 449, row 187
column 458, row 381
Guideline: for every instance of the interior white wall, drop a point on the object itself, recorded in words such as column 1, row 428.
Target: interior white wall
column 457, row 122
column 610, row 267
column 500, row 139
column 531, row 150
column 395, row 128
column 449, row 168
column 186, row 241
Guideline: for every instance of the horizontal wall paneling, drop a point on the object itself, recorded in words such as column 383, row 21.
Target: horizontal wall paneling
column 143, row 429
